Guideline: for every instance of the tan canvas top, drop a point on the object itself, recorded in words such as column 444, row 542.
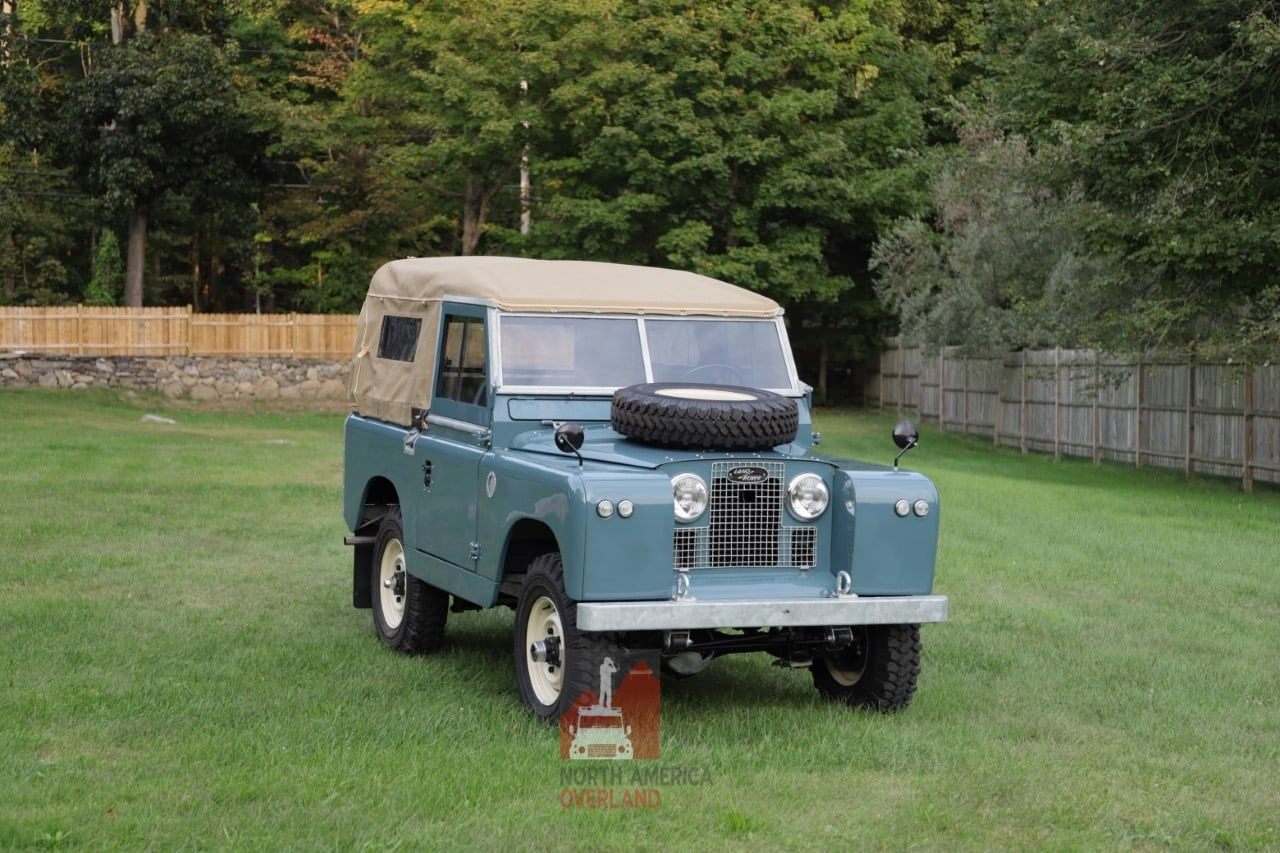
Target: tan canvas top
column 523, row 284
column 389, row 389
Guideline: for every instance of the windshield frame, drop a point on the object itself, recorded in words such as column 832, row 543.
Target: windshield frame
column 796, row 388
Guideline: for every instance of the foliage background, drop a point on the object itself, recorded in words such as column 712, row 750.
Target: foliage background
column 1002, row 173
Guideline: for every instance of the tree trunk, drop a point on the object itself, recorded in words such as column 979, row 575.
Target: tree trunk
column 195, row 272
column 137, row 258
column 475, row 209
column 822, row 374
column 8, row 10
column 117, row 23
column 11, row 270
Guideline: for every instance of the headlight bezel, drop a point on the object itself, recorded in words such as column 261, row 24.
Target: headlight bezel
column 688, row 516
column 793, row 496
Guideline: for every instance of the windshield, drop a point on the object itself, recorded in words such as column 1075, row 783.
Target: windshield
column 571, row 352
column 722, row 352
column 606, row 353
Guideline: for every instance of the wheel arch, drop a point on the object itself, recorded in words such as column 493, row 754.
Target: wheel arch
column 526, row 540
column 378, row 497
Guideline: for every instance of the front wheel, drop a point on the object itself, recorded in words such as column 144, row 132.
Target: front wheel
column 878, row 670
column 555, row 662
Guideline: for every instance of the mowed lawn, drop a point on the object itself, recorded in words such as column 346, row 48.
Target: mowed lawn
column 180, row 666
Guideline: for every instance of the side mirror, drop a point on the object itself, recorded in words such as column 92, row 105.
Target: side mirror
column 569, row 438
column 906, row 436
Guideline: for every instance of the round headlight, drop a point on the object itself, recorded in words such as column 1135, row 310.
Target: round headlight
column 690, row 494
column 807, row 497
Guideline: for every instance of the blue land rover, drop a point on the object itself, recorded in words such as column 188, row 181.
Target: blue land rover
column 624, row 456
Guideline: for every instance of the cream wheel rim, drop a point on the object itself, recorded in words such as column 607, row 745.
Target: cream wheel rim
column 546, row 677
column 391, row 584
column 846, row 676
column 717, row 395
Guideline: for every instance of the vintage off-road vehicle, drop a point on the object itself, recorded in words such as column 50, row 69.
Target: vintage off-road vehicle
column 624, row 455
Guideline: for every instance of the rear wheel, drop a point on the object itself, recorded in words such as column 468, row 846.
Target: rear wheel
column 878, row 670
column 408, row 613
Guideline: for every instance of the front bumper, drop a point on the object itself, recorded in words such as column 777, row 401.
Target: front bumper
column 689, row 614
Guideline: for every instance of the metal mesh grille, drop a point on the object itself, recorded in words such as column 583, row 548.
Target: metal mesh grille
column 745, row 526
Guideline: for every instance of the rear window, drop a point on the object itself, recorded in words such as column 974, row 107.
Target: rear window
column 398, row 340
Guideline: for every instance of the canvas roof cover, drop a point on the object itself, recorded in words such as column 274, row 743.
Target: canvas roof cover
column 389, row 389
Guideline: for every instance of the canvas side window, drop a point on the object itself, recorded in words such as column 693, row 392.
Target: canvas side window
column 462, row 365
column 398, row 339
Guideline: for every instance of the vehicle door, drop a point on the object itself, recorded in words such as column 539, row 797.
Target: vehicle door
column 448, row 453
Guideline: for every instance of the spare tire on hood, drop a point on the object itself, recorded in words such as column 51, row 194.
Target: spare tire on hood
column 698, row 416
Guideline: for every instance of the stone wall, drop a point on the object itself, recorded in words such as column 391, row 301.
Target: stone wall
column 195, row 378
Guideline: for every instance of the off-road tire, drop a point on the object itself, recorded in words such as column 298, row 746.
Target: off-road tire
column 426, row 608
column 644, row 413
column 888, row 658
column 581, row 652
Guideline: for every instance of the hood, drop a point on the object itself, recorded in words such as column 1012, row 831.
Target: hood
column 602, row 444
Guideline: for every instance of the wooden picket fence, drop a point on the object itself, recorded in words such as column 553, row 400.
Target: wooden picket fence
column 89, row 330
column 1203, row 417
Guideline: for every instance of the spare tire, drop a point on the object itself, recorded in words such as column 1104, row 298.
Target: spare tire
column 704, row 417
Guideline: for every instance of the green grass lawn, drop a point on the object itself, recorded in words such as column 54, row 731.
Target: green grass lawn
column 181, row 666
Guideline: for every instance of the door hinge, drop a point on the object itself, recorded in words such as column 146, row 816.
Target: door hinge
column 476, row 550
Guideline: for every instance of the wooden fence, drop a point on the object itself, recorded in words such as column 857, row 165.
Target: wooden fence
column 1202, row 417
column 87, row 330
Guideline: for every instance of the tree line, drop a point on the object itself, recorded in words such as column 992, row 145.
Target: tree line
column 996, row 173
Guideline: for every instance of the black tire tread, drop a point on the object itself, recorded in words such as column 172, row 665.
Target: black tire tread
column 426, row 608
column 765, row 422
column 584, row 650
column 889, row 678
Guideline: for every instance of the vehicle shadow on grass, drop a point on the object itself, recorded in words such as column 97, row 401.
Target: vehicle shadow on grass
column 742, row 683
column 479, row 647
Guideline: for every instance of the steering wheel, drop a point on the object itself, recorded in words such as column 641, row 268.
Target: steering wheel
column 738, row 378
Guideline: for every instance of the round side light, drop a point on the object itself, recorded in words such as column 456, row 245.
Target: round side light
column 902, row 508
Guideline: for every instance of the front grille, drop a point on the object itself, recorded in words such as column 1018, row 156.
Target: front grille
column 601, row 750
column 745, row 517
column 745, row 526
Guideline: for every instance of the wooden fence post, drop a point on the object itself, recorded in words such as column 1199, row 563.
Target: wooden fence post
column 882, row 382
column 1057, row 395
column 1191, row 415
column 1137, row 420
column 965, row 410
column 79, row 330
column 942, row 390
column 1097, row 388
column 999, row 406
column 902, row 368
column 1247, row 481
column 1022, row 410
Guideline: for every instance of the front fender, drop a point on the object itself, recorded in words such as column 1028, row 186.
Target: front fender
column 883, row 553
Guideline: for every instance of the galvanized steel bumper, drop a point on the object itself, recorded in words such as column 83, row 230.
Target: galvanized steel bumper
column 688, row 614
